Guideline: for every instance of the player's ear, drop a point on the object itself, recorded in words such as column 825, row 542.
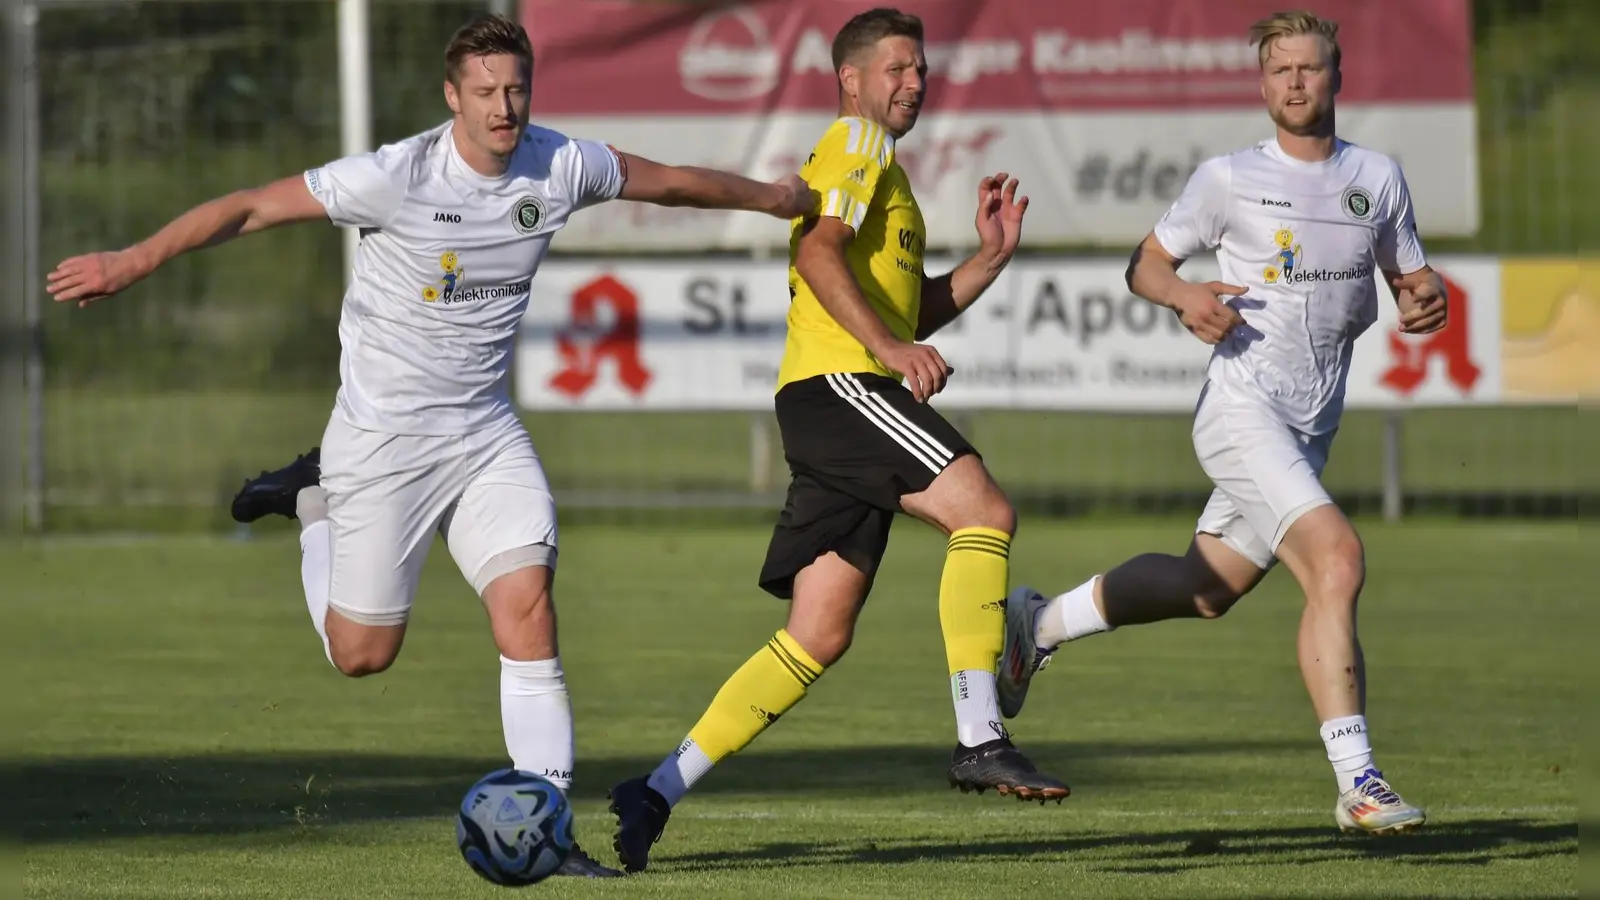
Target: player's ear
column 849, row 80
column 452, row 97
column 1338, row 80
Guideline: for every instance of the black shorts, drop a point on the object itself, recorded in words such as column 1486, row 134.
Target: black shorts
column 855, row 443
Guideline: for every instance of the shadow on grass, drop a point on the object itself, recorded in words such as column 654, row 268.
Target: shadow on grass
column 221, row 794
column 1158, row 852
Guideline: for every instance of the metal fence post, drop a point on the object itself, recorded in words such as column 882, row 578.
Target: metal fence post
column 13, row 419
column 1393, row 488
column 21, row 331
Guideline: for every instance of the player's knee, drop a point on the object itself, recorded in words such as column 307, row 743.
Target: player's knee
column 1339, row 572
column 999, row 514
column 361, row 644
column 360, row 662
column 828, row 646
column 1215, row 604
column 990, row 508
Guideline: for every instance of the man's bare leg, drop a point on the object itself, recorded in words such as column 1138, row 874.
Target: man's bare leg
column 1325, row 555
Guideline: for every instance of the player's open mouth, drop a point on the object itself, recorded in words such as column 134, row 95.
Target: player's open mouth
column 906, row 105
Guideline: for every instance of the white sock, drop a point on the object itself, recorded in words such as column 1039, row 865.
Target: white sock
column 316, row 558
column 977, row 707
column 678, row 772
column 537, row 718
column 1068, row 617
column 1349, row 749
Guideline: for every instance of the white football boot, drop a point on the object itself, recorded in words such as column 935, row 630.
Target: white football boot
column 1020, row 660
column 1373, row 807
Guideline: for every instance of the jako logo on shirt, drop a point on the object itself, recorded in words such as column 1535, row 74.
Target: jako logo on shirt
column 449, row 289
column 1289, row 265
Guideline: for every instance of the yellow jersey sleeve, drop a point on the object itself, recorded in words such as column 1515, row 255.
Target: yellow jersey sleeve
column 846, row 167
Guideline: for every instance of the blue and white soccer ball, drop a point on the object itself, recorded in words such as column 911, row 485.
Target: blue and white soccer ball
column 514, row 828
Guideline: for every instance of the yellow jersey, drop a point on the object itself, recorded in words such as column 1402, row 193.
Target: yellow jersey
column 854, row 170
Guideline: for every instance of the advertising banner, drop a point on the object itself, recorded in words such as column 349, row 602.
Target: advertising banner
column 1052, row 334
column 1550, row 345
column 1101, row 109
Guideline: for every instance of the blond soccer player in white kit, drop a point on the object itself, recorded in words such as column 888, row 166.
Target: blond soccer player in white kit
column 423, row 436
column 1299, row 223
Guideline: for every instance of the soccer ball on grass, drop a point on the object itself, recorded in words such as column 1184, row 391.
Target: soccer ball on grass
column 514, row 828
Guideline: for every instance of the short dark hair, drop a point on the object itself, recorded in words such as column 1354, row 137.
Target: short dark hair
column 486, row 35
column 865, row 31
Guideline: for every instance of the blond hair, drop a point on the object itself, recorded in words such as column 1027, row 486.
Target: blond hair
column 1289, row 24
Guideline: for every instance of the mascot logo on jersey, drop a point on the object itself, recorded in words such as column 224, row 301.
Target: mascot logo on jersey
column 1287, row 260
column 445, row 288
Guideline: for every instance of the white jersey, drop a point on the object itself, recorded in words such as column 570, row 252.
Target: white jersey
column 443, row 273
column 1306, row 239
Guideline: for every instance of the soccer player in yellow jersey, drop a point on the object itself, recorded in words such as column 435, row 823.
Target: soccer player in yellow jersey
column 863, row 444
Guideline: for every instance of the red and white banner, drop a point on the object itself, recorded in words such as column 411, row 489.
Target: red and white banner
column 1102, row 109
column 1052, row 334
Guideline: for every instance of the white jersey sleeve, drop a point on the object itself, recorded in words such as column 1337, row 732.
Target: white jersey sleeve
column 1399, row 248
column 1195, row 221
column 365, row 190
column 595, row 173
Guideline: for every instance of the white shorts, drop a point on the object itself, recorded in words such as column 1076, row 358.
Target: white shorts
column 389, row 494
column 1267, row 474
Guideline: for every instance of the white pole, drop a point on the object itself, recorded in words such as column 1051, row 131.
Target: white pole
column 1394, row 494
column 32, row 275
column 355, row 97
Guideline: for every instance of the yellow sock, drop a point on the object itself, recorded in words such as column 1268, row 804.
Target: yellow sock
column 768, row 685
column 975, row 578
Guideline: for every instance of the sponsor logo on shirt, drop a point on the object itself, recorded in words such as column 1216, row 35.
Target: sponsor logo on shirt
column 448, row 290
column 1289, row 265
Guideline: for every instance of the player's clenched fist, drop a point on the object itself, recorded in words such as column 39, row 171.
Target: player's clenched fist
column 1202, row 311
column 922, row 367
column 796, row 200
column 1423, row 307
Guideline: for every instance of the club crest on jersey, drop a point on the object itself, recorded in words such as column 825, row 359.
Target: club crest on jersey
column 528, row 214
column 445, row 288
column 1357, row 204
column 1287, row 260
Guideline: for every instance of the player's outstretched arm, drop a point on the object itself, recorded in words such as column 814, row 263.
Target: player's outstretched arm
column 652, row 182
column 95, row 276
column 999, row 224
column 1153, row 274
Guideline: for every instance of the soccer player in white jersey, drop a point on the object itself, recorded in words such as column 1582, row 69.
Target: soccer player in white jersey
column 423, row 436
column 1299, row 222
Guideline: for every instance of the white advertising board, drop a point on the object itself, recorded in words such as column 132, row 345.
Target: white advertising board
column 1052, row 334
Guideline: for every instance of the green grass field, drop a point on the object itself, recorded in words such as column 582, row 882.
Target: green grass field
column 137, row 460
column 180, row 736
